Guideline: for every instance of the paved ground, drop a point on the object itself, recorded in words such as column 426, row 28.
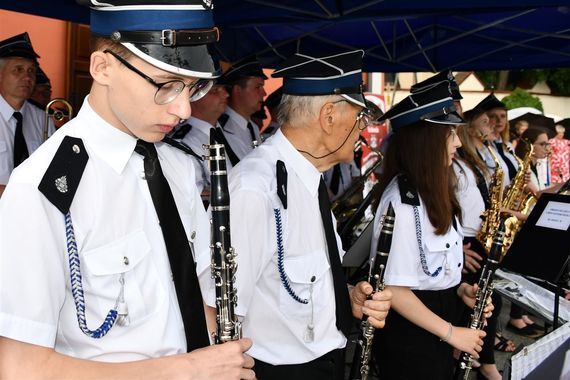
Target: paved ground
column 502, row 358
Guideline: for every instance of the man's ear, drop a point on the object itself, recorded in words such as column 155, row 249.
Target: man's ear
column 99, row 66
column 327, row 117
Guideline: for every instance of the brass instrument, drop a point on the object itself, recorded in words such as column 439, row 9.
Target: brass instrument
column 56, row 113
column 223, row 263
column 492, row 216
column 361, row 364
column 517, row 198
column 484, row 291
column 346, row 205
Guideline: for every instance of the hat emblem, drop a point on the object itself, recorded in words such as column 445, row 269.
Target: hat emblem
column 61, row 184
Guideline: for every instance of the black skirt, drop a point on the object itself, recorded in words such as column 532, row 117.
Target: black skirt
column 404, row 351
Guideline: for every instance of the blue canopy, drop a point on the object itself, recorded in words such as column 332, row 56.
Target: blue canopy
column 397, row 35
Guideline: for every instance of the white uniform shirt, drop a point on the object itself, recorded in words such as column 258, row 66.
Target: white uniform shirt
column 272, row 318
column 508, row 151
column 541, row 178
column 469, row 197
column 195, row 138
column 490, row 162
column 33, row 125
column 404, row 266
column 114, row 218
column 237, row 134
column 348, row 170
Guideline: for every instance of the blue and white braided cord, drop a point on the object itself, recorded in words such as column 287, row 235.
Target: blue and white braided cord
column 420, row 246
column 280, row 264
column 77, row 286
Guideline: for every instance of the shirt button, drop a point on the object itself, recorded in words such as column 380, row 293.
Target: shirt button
column 125, row 260
column 446, row 245
column 458, row 265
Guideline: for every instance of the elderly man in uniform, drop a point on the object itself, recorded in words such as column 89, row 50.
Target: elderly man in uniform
column 21, row 124
column 104, row 240
column 292, row 293
column 244, row 82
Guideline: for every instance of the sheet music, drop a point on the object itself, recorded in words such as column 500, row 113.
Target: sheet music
column 531, row 356
column 536, row 297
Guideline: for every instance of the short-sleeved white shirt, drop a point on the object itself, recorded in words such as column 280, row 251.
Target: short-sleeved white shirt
column 469, row 197
column 272, row 318
column 237, row 134
column 198, row 136
column 33, row 124
column 404, row 265
column 117, row 231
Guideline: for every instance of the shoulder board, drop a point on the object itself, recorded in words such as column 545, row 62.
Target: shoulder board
column 223, row 119
column 181, row 131
column 281, row 172
column 408, row 194
column 62, row 177
column 181, row 146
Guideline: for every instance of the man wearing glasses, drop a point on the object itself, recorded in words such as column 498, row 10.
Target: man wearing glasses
column 104, row 243
column 292, row 293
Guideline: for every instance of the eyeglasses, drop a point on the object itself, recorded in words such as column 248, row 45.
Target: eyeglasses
column 543, row 144
column 365, row 116
column 168, row 91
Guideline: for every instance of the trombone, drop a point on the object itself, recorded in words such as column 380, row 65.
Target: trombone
column 56, row 113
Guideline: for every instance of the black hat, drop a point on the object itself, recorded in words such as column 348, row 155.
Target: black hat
column 338, row 74
column 445, row 75
column 274, row 99
column 18, row 46
column 434, row 105
column 172, row 35
column 41, row 77
column 490, row 102
column 250, row 67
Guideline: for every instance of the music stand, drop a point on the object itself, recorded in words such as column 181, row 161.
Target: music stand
column 360, row 250
column 542, row 247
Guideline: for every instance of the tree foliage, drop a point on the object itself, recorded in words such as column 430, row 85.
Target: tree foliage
column 557, row 79
column 521, row 98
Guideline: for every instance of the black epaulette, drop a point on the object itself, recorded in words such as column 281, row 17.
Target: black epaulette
column 223, row 119
column 61, row 180
column 408, row 193
column 281, row 171
column 181, row 146
column 181, row 131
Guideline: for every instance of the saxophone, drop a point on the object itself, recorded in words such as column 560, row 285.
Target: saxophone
column 223, row 264
column 484, row 291
column 361, row 363
column 492, row 216
column 517, row 199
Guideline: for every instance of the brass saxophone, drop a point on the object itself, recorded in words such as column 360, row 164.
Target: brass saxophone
column 517, row 198
column 223, row 264
column 492, row 216
column 361, row 363
column 484, row 291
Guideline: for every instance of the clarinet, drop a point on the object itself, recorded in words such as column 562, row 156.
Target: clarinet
column 223, row 264
column 360, row 368
column 484, row 291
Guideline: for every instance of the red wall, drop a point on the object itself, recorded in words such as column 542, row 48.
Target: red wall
column 49, row 38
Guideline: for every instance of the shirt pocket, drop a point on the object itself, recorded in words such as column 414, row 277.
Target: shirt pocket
column 306, row 274
column 438, row 248
column 128, row 256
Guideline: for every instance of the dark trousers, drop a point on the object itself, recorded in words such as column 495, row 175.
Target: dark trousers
column 328, row 367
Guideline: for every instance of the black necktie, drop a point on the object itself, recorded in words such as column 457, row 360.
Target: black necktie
column 510, row 166
column 335, row 179
column 343, row 309
column 251, row 132
column 179, row 254
column 20, row 147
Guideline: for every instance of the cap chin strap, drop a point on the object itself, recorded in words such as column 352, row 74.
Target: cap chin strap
column 168, row 37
